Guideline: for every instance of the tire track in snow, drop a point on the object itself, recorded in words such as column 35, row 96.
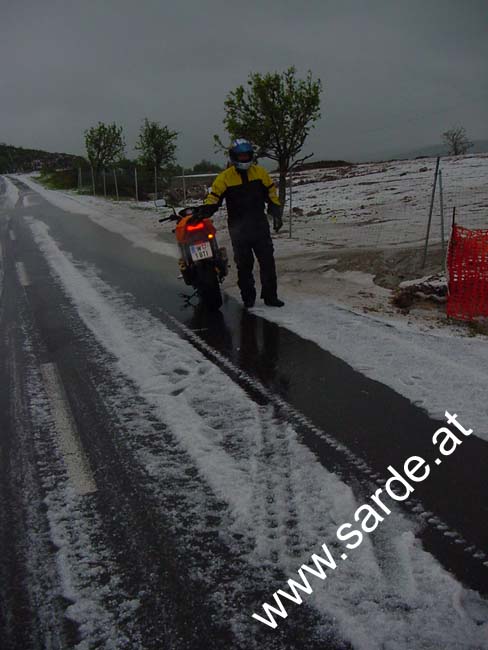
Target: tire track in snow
column 208, row 546
column 274, row 509
column 345, row 463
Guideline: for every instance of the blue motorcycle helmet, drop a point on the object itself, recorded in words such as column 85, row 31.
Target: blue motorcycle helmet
column 241, row 154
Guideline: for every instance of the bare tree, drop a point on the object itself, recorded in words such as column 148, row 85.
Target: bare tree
column 457, row 140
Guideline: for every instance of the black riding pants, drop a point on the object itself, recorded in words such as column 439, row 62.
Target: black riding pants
column 245, row 248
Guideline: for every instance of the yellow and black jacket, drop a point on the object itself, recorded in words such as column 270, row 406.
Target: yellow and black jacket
column 245, row 193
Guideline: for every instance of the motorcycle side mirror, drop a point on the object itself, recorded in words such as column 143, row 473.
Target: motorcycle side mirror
column 160, row 203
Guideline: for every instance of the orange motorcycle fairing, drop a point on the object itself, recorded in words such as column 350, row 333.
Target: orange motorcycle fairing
column 190, row 233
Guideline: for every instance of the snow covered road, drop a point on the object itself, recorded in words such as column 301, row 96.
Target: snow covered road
column 211, row 487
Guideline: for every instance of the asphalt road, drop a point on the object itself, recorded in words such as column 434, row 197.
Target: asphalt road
column 132, row 535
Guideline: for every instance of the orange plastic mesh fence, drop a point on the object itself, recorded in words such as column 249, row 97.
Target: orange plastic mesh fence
column 467, row 267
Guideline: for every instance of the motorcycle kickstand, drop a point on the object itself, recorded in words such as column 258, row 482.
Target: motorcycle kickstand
column 188, row 299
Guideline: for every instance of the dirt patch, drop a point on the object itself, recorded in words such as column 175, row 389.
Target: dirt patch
column 389, row 267
column 425, row 294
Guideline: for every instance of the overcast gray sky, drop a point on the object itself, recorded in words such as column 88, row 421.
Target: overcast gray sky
column 396, row 73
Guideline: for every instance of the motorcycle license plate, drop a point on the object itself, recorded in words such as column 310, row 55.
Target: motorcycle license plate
column 201, row 251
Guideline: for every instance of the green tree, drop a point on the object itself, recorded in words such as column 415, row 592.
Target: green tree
column 206, row 167
column 177, row 170
column 157, row 145
column 275, row 112
column 104, row 144
column 456, row 140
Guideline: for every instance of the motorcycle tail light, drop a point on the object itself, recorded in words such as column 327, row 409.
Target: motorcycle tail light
column 197, row 226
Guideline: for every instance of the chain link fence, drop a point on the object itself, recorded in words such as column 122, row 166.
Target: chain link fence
column 137, row 183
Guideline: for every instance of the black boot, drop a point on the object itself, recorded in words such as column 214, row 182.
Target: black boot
column 273, row 302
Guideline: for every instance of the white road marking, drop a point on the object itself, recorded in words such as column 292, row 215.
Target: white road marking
column 1, row 269
column 76, row 462
column 30, row 200
column 12, row 235
column 22, row 273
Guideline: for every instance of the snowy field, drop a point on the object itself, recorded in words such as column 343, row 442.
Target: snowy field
column 386, row 204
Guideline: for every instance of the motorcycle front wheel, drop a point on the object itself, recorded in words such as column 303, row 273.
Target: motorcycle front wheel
column 208, row 286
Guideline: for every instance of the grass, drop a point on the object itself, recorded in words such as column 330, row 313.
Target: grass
column 477, row 327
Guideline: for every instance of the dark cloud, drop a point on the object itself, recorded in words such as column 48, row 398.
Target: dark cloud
column 395, row 75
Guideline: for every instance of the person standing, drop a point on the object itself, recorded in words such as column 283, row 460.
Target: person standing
column 247, row 188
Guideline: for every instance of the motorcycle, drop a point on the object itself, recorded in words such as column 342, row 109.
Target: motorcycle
column 203, row 264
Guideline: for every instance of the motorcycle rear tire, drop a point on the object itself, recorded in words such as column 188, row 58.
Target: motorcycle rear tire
column 208, row 286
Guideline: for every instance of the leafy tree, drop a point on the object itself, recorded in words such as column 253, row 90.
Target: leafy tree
column 156, row 144
column 177, row 170
column 13, row 159
column 127, row 164
column 4, row 165
column 457, row 140
column 275, row 112
column 104, row 144
column 206, row 167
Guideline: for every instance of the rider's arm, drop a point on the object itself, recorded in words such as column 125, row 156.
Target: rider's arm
column 272, row 199
column 214, row 198
column 274, row 207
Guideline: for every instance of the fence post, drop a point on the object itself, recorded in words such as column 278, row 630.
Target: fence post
column 116, row 186
column 93, row 180
column 291, row 193
column 430, row 211
column 80, row 183
column 104, row 184
column 441, row 198
column 184, row 185
column 137, row 189
column 155, row 183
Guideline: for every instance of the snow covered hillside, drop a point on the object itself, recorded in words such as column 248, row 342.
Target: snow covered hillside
column 386, row 204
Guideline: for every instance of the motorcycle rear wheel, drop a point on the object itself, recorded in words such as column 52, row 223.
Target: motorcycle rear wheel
column 208, row 286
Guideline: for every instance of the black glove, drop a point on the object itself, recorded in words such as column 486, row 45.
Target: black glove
column 200, row 212
column 196, row 215
column 205, row 210
column 277, row 222
column 184, row 212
